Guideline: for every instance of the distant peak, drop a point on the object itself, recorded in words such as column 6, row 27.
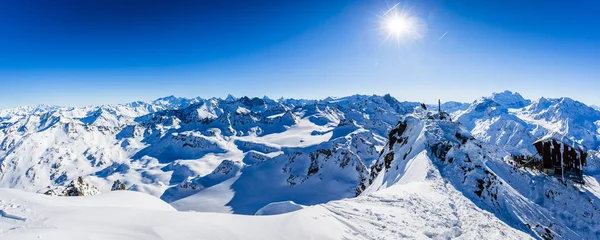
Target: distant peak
column 172, row 102
column 507, row 92
column 327, row 99
column 510, row 99
column 252, row 102
column 167, row 98
column 568, row 100
column 388, row 98
column 230, row 98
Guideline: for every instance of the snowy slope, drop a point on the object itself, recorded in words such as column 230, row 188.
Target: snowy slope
column 423, row 151
column 491, row 122
column 130, row 215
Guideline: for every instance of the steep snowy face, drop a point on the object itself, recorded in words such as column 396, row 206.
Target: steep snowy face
column 439, row 153
column 561, row 108
column 568, row 117
column 492, row 123
column 413, row 136
column 483, row 108
column 509, row 121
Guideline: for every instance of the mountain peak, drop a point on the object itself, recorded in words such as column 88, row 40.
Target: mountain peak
column 230, row 98
column 167, row 98
column 510, row 99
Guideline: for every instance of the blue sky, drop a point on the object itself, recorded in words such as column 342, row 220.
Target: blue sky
column 71, row 52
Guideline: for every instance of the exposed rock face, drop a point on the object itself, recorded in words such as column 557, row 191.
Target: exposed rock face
column 77, row 187
column 117, row 186
column 51, row 193
column 80, row 188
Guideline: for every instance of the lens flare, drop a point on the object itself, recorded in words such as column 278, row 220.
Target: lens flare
column 398, row 26
column 397, row 23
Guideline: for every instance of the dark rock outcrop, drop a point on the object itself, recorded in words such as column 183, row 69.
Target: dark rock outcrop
column 117, row 186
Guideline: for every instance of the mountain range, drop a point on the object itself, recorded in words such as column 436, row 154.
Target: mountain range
column 361, row 167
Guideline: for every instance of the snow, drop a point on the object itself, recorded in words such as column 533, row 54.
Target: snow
column 525, row 200
column 299, row 135
column 413, row 210
column 279, row 208
column 212, row 199
column 194, row 165
column 421, row 206
column 130, row 215
column 510, row 99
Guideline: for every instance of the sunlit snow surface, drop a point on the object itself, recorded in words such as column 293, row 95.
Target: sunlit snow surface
column 414, row 211
column 130, row 215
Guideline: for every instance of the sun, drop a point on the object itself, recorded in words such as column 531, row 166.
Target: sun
column 398, row 26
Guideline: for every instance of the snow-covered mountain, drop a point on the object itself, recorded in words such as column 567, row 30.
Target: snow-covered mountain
column 371, row 166
column 185, row 150
column 443, row 158
column 508, row 120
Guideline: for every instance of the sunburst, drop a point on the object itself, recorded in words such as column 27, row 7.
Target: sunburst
column 397, row 23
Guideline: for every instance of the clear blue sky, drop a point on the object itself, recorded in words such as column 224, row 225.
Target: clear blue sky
column 73, row 52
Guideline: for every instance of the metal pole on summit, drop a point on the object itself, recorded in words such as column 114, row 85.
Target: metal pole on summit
column 440, row 107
